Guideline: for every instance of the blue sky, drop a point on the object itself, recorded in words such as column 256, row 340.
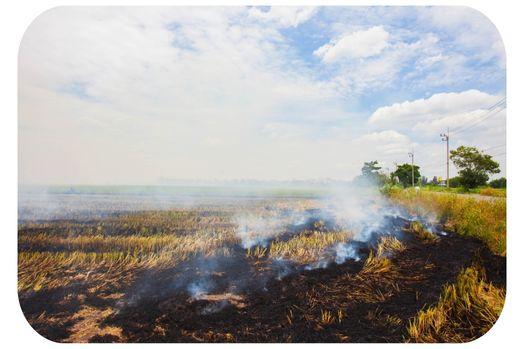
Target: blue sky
column 131, row 95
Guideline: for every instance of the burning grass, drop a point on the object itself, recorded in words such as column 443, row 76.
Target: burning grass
column 421, row 232
column 306, row 247
column 466, row 216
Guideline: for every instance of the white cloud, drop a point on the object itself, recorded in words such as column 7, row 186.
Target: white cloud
column 359, row 44
column 438, row 106
column 469, row 28
column 370, row 74
column 285, row 16
column 132, row 94
column 389, row 142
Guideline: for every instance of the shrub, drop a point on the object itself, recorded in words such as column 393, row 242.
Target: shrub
column 498, row 183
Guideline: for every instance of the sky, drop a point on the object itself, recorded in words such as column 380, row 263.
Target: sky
column 137, row 95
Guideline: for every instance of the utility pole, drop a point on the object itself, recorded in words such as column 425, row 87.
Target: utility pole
column 445, row 138
column 412, row 156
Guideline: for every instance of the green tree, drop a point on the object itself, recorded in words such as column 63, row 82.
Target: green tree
column 474, row 166
column 370, row 169
column 404, row 173
column 498, row 183
column 454, row 182
column 371, row 174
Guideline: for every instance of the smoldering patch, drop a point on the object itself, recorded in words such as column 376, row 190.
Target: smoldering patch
column 275, row 243
column 213, row 303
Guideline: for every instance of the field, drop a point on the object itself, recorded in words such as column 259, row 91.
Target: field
column 405, row 266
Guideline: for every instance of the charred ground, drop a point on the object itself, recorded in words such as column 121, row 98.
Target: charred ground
column 373, row 306
column 240, row 294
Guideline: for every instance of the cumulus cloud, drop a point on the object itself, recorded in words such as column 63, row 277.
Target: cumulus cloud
column 437, row 106
column 388, row 142
column 359, row 44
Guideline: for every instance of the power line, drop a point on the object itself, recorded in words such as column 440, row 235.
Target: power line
column 489, row 113
column 479, row 121
column 494, row 147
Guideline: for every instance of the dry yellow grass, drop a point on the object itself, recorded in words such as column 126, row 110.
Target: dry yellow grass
column 256, row 252
column 422, row 233
column 378, row 261
column 306, row 247
column 389, row 244
column 482, row 219
column 466, row 310
column 76, row 260
column 493, row 192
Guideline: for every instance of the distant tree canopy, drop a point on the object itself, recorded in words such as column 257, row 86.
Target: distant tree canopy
column 404, row 173
column 474, row 166
column 498, row 183
column 370, row 169
column 371, row 174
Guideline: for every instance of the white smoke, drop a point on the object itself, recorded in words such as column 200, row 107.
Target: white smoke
column 258, row 229
column 362, row 211
column 343, row 252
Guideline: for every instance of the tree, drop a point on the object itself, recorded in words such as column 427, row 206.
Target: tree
column 370, row 169
column 403, row 173
column 454, row 182
column 498, row 183
column 371, row 174
column 474, row 166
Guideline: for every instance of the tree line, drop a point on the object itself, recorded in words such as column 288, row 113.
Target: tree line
column 474, row 169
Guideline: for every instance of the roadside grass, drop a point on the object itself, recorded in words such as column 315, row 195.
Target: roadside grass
column 465, row 311
column 501, row 193
column 481, row 219
column 486, row 191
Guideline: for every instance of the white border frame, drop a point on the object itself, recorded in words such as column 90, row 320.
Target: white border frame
column 17, row 16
